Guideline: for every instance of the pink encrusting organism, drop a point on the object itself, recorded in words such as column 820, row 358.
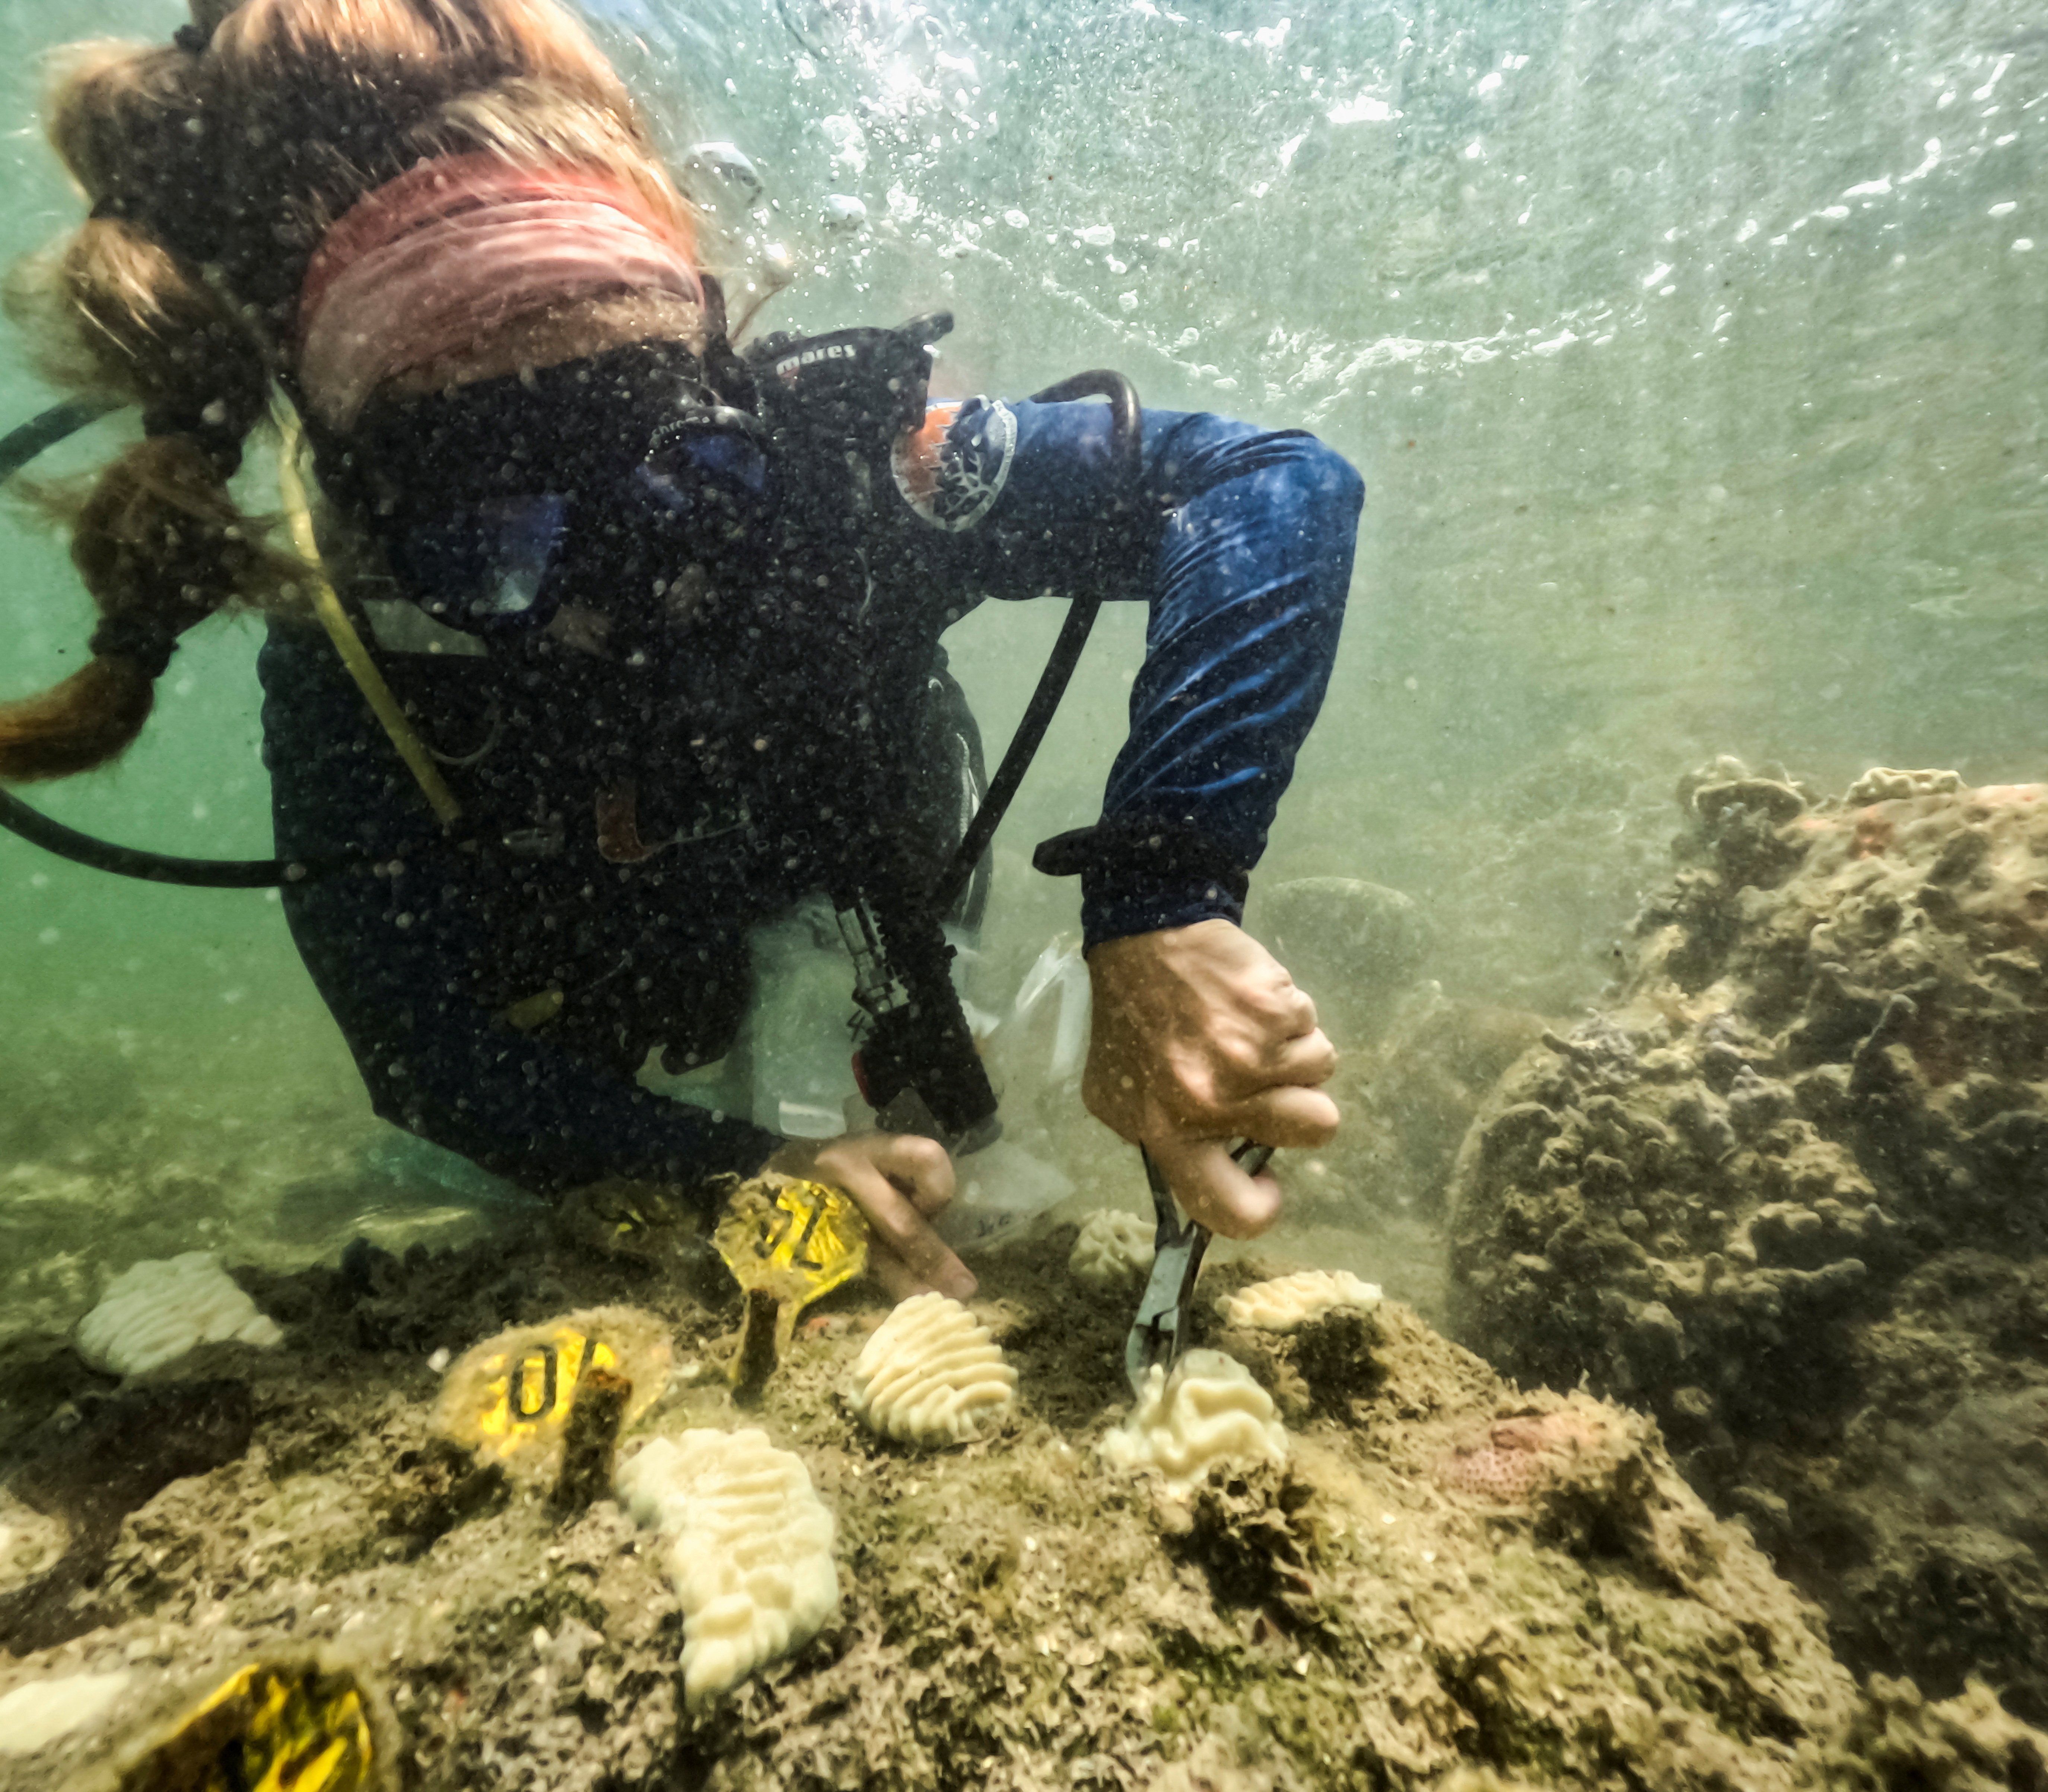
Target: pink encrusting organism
column 1518, row 1454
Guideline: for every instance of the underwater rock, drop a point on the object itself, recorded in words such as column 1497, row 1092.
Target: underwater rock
column 1353, row 946
column 1986, row 1462
column 1516, row 1456
column 1408, row 1101
column 931, row 1375
column 1822, row 1091
column 510, row 1397
column 843, row 212
column 1114, row 1250
column 1208, row 1411
column 1946, row 1603
column 1902, row 1741
column 156, row 1311
column 748, row 1546
column 1287, row 1303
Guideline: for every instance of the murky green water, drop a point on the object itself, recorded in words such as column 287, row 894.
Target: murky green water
column 1694, row 356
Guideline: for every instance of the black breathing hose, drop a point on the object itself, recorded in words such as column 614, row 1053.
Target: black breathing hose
column 21, row 444
column 17, row 447
column 36, row 828
column 1128, row 447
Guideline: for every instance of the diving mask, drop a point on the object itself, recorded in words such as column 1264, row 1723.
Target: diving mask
column 506, row 500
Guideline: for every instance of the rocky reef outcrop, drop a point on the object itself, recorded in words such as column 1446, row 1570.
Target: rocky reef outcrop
column 1788, row 1191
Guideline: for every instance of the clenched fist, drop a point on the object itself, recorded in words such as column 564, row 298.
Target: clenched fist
column 1200, row 1038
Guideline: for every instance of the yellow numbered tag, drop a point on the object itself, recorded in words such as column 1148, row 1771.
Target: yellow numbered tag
column 529, row 1389
column 797, row 1239
column 510, row 1396
column 786, row 1243
column 268, row 1728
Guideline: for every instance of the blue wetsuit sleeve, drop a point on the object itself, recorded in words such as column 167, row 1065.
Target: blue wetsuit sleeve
column 388, row 944
column 1240, row 540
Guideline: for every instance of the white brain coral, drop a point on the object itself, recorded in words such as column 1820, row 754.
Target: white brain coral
column 1882, row 784
column 1208, row 1411
column 154, row 1313
column 748, row 1548
column 1114, row 1250
column 931, row 1375
column 1288, row 1302
column 34, row 1714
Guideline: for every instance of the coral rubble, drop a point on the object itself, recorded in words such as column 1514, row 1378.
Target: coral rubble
column 1353, row 945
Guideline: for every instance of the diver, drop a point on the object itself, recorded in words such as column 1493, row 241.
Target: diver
column 657, row 618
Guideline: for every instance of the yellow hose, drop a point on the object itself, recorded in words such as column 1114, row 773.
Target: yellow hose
column 341, row 631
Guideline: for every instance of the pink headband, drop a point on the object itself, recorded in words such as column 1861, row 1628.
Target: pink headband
column 427, row 263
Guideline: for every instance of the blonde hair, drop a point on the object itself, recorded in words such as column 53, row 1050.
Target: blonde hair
column 213, row 166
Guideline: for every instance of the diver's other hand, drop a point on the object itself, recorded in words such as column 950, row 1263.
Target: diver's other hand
column 1200, row 1037
column 902, row 1182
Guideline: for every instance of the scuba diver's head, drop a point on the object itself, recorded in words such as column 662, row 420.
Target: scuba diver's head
column 215, row 166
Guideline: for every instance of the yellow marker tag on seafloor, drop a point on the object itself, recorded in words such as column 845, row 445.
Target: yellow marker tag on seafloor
column 267, row 1728
column 795, row 1240
column 786, row 1243
column 508, row 1397
column 527, row 1389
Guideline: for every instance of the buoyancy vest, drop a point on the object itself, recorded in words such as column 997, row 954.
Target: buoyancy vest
column 631, row 812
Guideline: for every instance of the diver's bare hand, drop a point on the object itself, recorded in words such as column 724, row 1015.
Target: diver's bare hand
column 1200, row 1037
column 902, row 1182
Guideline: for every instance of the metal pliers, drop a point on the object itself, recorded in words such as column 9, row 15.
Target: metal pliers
column 1161, row 1331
